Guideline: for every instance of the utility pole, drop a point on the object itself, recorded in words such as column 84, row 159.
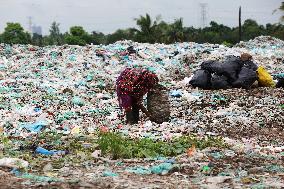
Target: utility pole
column 203, row 15
column 240, row 23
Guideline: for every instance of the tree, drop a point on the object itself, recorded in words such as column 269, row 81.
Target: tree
column 176, row 31
column 162, row 31
column 14, row 34
column 147, row 29
column 275, row 30
column 282, row 9
column 78, row 36
column 98, row 38
column 37, row 40
column 55, row 37
column 251, row 29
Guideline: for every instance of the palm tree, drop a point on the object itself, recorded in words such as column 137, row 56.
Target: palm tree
column 147, row 27
column 282, row 9
column 176, row 31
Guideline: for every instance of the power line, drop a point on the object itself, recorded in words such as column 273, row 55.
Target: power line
column 203, row 7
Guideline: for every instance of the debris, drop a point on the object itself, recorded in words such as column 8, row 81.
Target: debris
column 176, row 93
column 264, row 78
column 71, row 98
column 13, row 163
column 109, row 174
column 162, row 168
column 218, row 179
column 44, row 151
column 191, row 151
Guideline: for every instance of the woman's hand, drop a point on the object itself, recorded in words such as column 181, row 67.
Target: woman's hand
column 143, row 109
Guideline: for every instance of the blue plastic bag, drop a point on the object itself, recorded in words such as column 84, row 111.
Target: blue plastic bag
column 44, row 151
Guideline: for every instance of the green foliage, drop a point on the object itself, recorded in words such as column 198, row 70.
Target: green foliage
column 78, row 36
column 175, row 32
column 281, row 8
column 112, row 145
column 148, row 30
column 55, row 37
column 227, row 44
column 251, row 29
column 117, row 146
column 14, row 34
column 98, row 38
column 37, row 40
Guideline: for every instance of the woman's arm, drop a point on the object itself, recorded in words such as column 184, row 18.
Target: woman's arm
column 142, row 108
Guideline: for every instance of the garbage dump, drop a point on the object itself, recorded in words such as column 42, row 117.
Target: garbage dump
column 60, row 115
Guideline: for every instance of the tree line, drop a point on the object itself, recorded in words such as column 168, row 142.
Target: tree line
column 148, row 30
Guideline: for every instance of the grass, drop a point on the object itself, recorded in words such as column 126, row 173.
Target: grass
column 116, row 146
column 112, row 145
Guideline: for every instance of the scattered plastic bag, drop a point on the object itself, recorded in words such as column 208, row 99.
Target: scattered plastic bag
column 176, row 93
column 109, row 174
column 35, row 127
column 13, row 163
column 264, row 78
column 78, row 101
column 162, row 168
column 44, row 151
column 280, row 83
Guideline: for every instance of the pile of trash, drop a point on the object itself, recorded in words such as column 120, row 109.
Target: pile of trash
column 69, row 91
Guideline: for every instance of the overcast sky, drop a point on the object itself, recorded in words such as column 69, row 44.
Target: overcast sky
column 108, row 15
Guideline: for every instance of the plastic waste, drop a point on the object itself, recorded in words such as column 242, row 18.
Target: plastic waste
column 219, row 82
column 176, row 93
column 201, row 78
column 246, row 78
column 162, row 168
column 43, row 151
column 206, row 168
column 35, row 127
column 264, row 78
column 78, row 101
column 76, row 130
column 13, row 163
column 250, row 65
column 230, row 68
column 37, row 178
column 280, row 83
column 139, row 170
column 109, row 174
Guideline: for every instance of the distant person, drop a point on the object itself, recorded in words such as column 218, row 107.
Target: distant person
column 131, row 86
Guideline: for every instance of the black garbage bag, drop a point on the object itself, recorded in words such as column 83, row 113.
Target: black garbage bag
column 219, row 82
column 210, row 65
column 250, row 65
column 246, row 78
column 131, row 50
column 229, row 68
column 201, row 79
column 280, row 83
